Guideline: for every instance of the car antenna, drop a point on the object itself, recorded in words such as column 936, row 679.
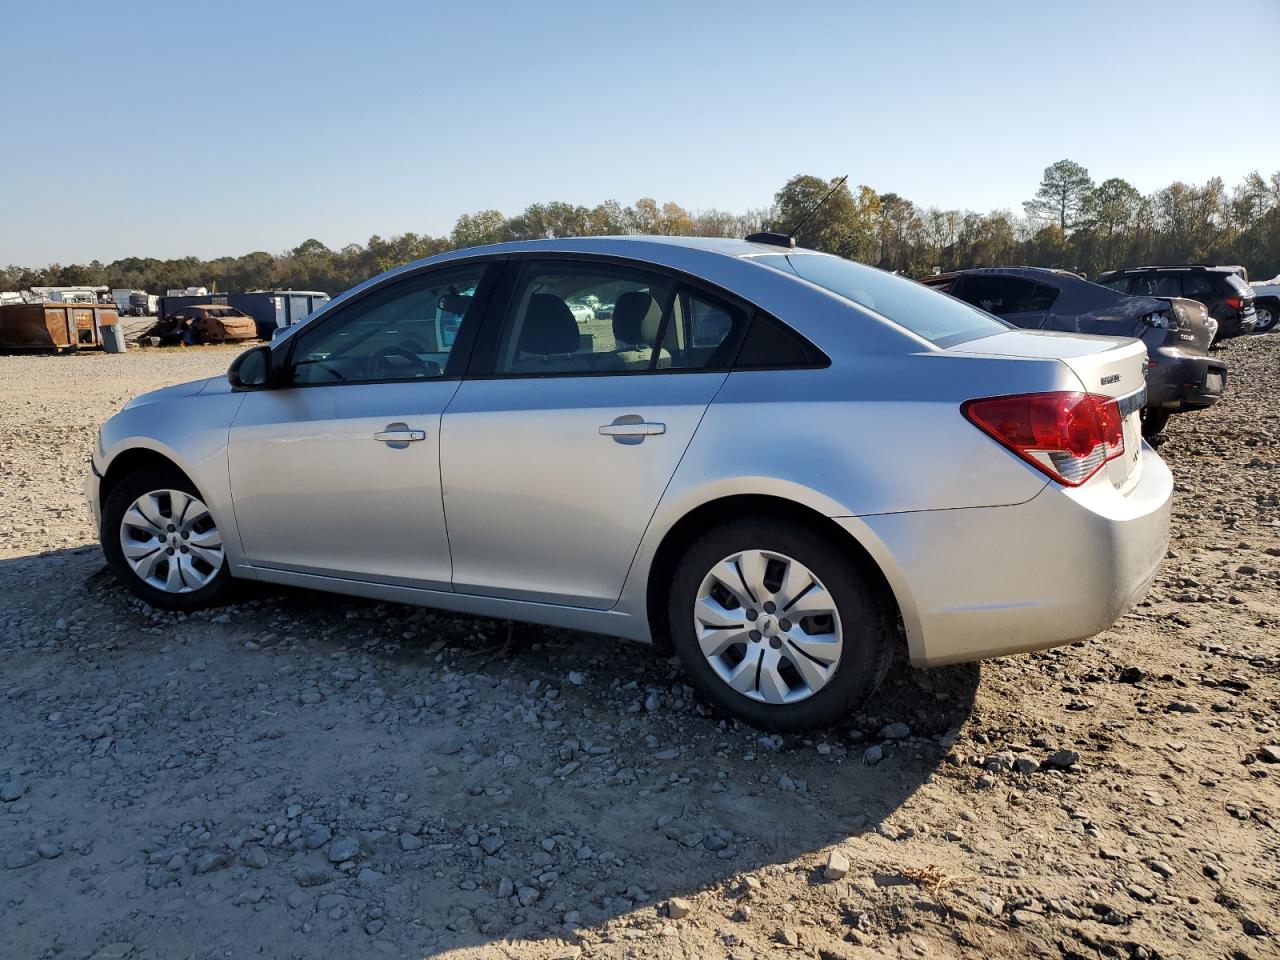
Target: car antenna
column 787, row 238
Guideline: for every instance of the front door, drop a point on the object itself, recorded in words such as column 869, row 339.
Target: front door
column 336, row 470
column 555, row 456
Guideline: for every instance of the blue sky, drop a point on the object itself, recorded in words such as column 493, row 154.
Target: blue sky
column 182, row 128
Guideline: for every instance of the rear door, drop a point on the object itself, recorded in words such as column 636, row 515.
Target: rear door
column 561, row 441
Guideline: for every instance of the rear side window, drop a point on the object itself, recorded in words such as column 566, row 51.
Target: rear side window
column 1156, row 285
column 770, row 343
column 1006, row 295
column 1196, row 286
column 1118, row 284
column 913, row 306
column 703, row 331
column 569, row 317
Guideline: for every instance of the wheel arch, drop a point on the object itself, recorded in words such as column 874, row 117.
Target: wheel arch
column 134, row 459
column 721, row 509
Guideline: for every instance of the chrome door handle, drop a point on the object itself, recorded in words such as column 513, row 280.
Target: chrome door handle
column 400, row 436
column 641, row 429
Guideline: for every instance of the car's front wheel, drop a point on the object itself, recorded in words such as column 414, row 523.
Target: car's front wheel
column 161, row 540
column 776, row 626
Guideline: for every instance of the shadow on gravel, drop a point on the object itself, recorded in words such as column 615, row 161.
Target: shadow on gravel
column 500, row 780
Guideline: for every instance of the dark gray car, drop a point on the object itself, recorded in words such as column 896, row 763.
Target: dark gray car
column 1177, row 332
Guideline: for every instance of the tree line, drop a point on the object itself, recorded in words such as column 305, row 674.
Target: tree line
column 1071, row 223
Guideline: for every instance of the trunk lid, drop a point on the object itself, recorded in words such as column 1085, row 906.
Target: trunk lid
column 1105, row 366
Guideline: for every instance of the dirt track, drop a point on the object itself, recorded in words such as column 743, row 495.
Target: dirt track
column 303, row 775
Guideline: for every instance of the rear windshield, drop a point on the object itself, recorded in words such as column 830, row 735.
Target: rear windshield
column 926, row 313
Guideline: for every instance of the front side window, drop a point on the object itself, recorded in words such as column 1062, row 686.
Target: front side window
column 404, row 332
column 913, row 306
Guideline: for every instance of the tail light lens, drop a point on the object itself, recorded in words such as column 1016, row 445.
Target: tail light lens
column 1235, row 303
column 1067, row 435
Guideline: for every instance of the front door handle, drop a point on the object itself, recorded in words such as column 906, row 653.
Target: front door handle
column 399, row 434
column 632, row 428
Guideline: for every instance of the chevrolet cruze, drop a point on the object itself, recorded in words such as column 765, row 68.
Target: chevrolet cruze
column 783, row 465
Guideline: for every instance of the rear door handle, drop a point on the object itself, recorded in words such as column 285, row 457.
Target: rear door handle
column 633, row 429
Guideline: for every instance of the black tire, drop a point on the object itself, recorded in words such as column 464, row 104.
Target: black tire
column 1266, row 311
column 214, row 593
column 1154, row 420
column 867, row 641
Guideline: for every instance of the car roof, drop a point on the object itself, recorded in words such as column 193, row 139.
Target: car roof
column 1030, row 273
column 704, row 257
column 1193, row 267
column 723, row 262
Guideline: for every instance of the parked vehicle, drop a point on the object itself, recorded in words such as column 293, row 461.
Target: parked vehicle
column 1224, row 291
column 134, row 303
column 205, row 323
column 1266, row 304
column 273, row 310
column 143, row 304
column 779, row 502
column 1181, row 375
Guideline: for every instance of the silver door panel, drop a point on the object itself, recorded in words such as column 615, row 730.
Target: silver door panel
column 343, row 480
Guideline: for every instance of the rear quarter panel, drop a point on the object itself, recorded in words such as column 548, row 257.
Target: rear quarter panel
column 868, row 435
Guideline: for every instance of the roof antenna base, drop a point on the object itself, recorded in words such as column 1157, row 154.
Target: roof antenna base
column 773, row 239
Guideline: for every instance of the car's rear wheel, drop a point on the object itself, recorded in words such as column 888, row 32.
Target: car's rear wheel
column 776, row 626
column 161, row 539
column 1154, row 420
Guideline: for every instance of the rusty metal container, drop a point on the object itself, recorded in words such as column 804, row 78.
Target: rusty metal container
column 54, row 326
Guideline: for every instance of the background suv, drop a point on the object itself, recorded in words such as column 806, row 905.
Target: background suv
column 1224, row 291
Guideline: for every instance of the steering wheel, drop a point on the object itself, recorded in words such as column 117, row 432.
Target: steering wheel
column 379, row 369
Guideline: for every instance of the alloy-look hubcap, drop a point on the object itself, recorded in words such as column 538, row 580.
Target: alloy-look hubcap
column 768, row 627
column 170, row 541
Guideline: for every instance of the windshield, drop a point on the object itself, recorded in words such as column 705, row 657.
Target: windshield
column 926, row 313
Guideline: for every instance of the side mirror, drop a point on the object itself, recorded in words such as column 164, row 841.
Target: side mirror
column 251, row 370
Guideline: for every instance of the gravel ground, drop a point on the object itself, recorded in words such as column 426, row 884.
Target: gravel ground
column 302, row 775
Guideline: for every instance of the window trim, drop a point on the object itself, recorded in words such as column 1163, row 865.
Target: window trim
column 464, row 344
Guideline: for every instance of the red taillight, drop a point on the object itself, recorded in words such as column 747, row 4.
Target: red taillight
column 1067, row 435
column 1235, row 303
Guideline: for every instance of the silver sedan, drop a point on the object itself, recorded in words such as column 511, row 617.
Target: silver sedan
column 783, row 465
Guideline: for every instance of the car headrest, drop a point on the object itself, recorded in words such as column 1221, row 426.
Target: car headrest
column 636, row 318
column 549, row 327
column 455, row 303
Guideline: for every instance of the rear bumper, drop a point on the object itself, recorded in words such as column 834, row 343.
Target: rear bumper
column 1185, row 382
column 1236, row 326
column 983, row 582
